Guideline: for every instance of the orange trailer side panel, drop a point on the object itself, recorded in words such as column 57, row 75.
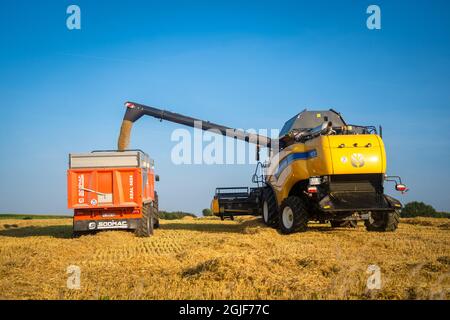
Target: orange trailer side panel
column 105, row 188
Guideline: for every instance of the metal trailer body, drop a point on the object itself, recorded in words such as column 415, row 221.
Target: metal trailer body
column 110, row 190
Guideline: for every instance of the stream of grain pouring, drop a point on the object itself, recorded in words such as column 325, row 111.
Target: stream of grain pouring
column 124, row 136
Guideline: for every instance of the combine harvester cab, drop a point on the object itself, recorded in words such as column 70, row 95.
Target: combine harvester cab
column 112, row 190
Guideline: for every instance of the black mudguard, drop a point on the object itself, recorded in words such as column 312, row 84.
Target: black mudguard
column 394, row 203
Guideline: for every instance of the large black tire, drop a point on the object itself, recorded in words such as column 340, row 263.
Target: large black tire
column 344, row 224
column 269, row 208
column 383, row 221
column 146, row 224
column 293, row 216
column 156, row 207
column 76, row 234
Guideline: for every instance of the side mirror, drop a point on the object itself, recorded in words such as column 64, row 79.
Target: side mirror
column 157, row 177
column 401, row 187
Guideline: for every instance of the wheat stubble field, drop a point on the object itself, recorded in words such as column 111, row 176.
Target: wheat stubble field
column 210, row 259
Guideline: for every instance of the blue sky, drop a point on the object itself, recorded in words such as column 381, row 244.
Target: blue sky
column 247, row 64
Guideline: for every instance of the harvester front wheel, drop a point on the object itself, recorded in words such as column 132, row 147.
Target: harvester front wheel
column 344, row 224
column 383, row 222
column 293, row 216
column 269, row 208
column 146, row 224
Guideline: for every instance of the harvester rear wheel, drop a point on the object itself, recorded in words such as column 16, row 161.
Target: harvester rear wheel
column 269, row 208
column 146, row 224
column 293, row 216
column 383, row 222
column 344, row 224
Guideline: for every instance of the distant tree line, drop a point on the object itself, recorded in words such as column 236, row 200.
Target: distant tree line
column 207, row 212
column 181, row 214
column 175, row 215
column 420, row 209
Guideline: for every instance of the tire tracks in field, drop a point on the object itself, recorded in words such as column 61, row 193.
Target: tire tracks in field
column 145, row 250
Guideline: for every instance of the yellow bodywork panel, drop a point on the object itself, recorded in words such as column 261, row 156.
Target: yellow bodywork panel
column 355, row 154
column 325, row 155
column 215, row 207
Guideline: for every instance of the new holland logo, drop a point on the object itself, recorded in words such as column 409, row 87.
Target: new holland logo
column 357, row 160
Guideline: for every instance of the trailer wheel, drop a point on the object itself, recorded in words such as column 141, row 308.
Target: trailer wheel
column 383, row 222
column 145, row 225
column 156, row 209
column 156, row 223
column 76, row 234
column 293, row 216
column 344, row 224
column 269, row 208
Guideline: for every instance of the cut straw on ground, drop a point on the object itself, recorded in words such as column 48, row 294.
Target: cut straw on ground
column 209, row 259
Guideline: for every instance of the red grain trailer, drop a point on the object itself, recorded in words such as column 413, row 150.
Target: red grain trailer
column 112, row 190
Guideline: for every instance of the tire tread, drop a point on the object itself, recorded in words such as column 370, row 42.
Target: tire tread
column 300, row 215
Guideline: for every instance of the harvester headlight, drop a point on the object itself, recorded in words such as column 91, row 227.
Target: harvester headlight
column 315, row 181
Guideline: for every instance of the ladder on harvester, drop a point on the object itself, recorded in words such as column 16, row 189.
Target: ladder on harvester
column 258, row 177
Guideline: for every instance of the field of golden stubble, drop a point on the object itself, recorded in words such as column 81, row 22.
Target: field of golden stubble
column 206, row 258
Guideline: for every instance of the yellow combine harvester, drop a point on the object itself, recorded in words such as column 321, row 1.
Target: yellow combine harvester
column 320, row 169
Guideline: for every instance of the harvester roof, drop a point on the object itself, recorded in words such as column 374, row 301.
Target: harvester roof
column 311, row 119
